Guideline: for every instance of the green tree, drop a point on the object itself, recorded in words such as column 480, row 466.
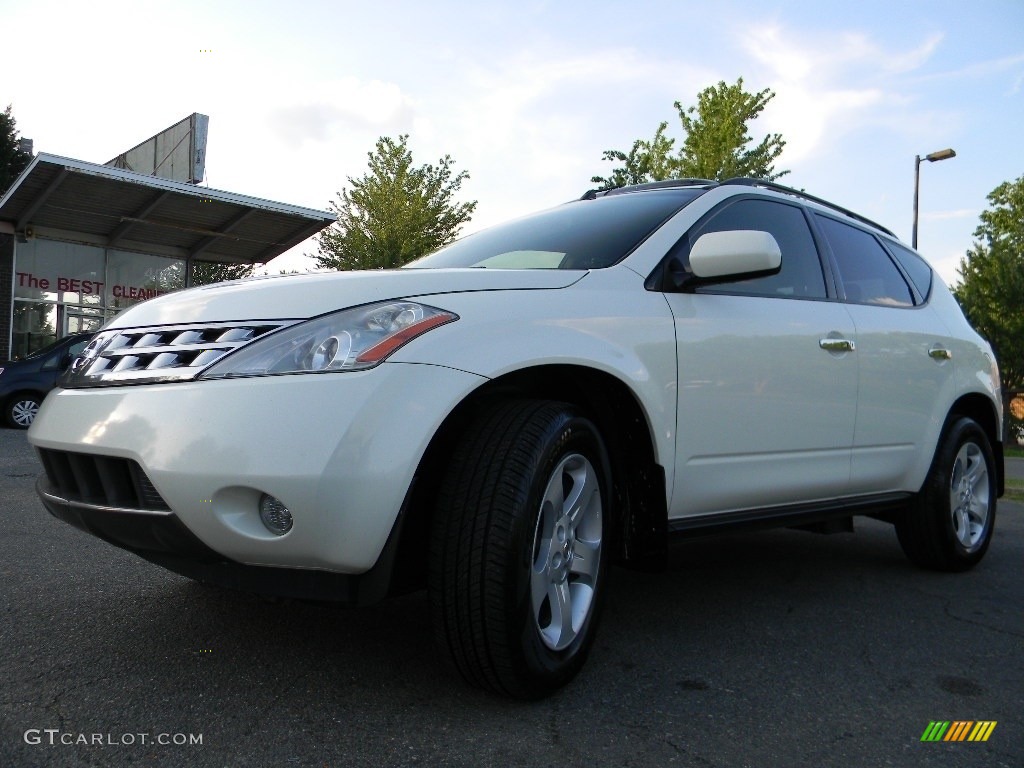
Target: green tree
column 12, row 159
column 207, row 272
column 991, row 291
column 203, row 273
column 716, row 144
column 395, row 213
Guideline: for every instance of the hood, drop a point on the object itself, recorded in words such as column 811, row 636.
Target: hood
column 302, row 296
column 25, row 364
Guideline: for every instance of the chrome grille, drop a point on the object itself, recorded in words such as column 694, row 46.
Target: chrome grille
column 162, row 353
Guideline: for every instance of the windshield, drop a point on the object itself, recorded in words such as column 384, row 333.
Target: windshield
column 584, row 234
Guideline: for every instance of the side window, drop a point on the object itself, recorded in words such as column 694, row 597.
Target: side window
column 70, row 353
column 918, row 269
column 867, row 272
column 800, row 276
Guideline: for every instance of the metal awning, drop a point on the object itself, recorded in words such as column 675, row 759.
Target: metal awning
column 66, row 199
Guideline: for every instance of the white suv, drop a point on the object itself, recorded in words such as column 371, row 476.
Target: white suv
column 504, row 419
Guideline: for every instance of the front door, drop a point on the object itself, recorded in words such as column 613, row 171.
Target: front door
column 767, row 377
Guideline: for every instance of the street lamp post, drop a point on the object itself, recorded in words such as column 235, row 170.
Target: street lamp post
column 942, row 154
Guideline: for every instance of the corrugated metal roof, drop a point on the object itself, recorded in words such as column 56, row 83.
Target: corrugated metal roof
column 121, row 209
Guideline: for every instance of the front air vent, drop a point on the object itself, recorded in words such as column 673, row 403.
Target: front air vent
column 162, row 353
column 107, row 481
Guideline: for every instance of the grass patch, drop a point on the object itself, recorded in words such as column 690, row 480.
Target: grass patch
column 1014, row 490
column 1013, row 451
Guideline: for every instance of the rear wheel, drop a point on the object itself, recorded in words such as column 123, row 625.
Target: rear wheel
column 519, row 548
column 949, row 526
column 21, row 410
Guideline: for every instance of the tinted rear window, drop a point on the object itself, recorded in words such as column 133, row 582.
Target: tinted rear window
column 585, row 234
column 918, row 269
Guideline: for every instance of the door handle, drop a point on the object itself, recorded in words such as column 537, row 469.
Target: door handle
column 837, row 345
column 940, row 353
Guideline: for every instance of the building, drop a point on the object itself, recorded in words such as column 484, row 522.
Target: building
column 80, row 242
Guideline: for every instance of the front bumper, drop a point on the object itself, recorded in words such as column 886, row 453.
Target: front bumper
column 339, row 450
column 162, row 539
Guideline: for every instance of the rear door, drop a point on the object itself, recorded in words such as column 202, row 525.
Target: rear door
column 904, row 358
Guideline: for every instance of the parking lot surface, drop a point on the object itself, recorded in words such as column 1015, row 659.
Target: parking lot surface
column 773, row 649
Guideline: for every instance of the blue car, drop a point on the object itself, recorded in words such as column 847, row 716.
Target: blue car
column 24, row 383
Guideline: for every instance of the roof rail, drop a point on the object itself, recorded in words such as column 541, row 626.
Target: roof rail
column 748, row 182
column 592, row 194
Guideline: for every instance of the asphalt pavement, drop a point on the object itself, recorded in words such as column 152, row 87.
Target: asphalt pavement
column 782, row 648
column 1015, row 468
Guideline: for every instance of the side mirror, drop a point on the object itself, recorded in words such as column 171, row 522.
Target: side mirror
column 742, row 252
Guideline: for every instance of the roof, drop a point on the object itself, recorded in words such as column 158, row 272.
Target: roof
column 591, row 194
column 69, row 199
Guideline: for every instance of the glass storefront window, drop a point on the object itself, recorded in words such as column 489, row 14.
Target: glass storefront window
column 56, row 271
column 35, row 326
column 81, row 319
column 135, row 277
column 62, row 288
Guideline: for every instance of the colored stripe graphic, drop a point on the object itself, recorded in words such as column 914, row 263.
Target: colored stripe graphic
column 982, row 730
column 958, row 730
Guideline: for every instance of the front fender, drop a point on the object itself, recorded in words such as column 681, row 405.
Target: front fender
column 607, row 322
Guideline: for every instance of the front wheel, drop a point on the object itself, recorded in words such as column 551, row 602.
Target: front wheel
column 949, row 525
column 519, row 548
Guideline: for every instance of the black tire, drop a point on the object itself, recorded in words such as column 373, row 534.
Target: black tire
column 948, row 527
column 490, row 562
column 20, row 410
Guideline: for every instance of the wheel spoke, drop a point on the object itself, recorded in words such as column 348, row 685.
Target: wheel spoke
column 579, row 492
column 583, row 495
column 554, row 496
column 962, row 524
column 978, row 510
column 586, row 559
column 976, row 471
column 540, row 583
column 954, row 499
column 561, row 614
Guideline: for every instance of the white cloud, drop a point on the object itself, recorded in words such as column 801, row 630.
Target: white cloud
column 907, row 61
column 327, row 107
column 978, row 69
column 531, row 126
column 816, row 103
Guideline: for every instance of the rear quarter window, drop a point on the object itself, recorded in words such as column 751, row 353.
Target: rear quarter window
column 918, row 269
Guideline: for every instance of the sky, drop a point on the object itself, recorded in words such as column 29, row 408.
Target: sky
column 526, row 95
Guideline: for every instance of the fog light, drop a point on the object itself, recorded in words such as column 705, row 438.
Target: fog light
column 275, row 515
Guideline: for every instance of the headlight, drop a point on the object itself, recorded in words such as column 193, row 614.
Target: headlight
column 349, row 340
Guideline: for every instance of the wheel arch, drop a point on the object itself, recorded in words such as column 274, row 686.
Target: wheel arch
column 639, row 481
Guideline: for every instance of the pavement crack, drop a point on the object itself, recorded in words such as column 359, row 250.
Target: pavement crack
column 947, row 610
